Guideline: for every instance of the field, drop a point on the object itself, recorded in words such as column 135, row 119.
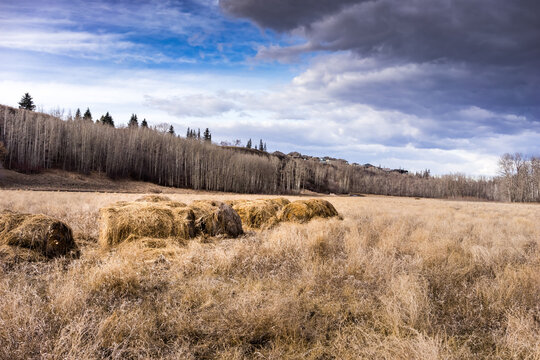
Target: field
column 397, row 278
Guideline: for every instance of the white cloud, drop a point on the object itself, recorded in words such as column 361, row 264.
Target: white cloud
column 65, row 42
column 196, row 105
column 477, row 113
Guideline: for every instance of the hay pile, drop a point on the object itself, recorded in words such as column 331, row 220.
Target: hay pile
column 216, row 218
column 41, row 234
column 126, row 221
column 265, row 213
column 160, row 218
column 305, row 210
column 259, row 214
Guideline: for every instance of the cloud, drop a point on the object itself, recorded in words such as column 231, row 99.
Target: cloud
column 147, row 31
column 65, row 42
column 483, row 53
column 458, row 69
column 283, row 15
column 196, row 105
column 482, row 31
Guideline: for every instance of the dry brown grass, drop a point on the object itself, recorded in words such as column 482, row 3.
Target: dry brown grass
column 396, row 279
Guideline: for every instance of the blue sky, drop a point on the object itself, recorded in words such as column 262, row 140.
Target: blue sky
column 441, row 84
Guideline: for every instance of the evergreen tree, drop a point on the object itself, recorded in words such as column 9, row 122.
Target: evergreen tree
column 78, row 114
column 188, row 133
column 261, row 145
column 248, row 145
column 171, row 130
column 264, row 148
column 107, row 120
column 133, row 122
column 199, row 134
column 207, row 136
column 144, row 124
column 87, row 115
column 27, row 102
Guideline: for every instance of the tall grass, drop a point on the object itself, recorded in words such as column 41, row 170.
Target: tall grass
column 396, row 279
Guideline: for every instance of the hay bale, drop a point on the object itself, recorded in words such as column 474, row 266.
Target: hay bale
column 40, row 233
column 261, row 213
column 216, row 218
column 129, row 221
column 305, row 210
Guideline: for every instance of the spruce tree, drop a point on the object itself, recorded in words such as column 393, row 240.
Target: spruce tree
column 144, row 123
column 171, row 130
column 248, row 145
column 264, row 148
column 133, row 122
column 78, row 114
column 188, row 133
column 261, row 145
column 27, row 102
column 107, row 120
column 87, row 115
column 199, row 134
column 207, row 136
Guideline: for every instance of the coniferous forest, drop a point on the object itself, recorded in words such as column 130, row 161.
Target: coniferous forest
column 35, row 142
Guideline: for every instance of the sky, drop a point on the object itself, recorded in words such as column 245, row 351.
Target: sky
column 445, row 85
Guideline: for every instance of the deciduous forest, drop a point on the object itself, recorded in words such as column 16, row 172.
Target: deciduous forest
column 32, row 142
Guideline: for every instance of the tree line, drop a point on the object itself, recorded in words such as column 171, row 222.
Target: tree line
column 35, row 141
column 27, row 103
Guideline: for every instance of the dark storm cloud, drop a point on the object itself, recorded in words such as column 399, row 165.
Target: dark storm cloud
column 486, row 31
column 283, row 15
column 430, row 58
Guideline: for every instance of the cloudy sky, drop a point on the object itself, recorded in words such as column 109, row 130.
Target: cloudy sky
column 448, row 85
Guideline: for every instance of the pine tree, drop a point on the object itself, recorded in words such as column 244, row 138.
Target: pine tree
column 107, row 120
column 133, row 122
column 87, row 115
column 144, row 123
column 78, row 114
column 264, row 148
column 188, row 133
column 27, row 102
column 171, row 130
column 207, row 136
column 248, row 145
column 261, row 145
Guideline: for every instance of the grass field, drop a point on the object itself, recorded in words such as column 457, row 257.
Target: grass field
column 397, row 278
